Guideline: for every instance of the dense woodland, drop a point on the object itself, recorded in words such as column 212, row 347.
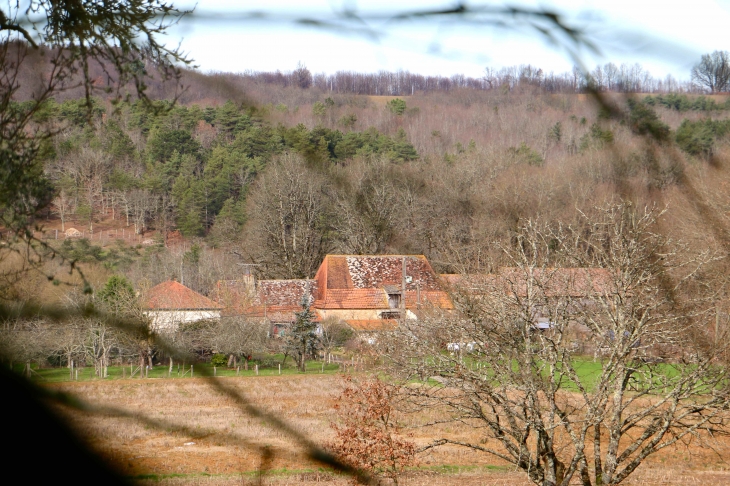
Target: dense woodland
column 280, row 170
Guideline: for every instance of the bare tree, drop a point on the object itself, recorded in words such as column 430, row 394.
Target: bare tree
column 289, row 220
column 68, row 342
column 62, row 205
column 334, row 332
column 369, row 213
column 25, row 341
column 99, row 343
column 141, row 205
column 236, row 336
column 88, row 169
column 657, row 382
column 713, row 71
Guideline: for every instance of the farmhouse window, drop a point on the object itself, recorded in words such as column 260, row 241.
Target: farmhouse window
column 394, row 301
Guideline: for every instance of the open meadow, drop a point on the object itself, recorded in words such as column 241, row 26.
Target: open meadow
column 187, row 432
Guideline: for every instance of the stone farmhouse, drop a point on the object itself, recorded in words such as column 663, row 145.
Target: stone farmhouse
column 368, row 292
column 371, row 293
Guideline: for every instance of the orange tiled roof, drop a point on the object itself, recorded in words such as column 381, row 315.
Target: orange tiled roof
column 367, row 325
column 451, row 278
column 173, row 295
column 353, row 299
column 438, row 299
column 364, row 281
column 277, row 300
column 551, row 282
column 558, row 282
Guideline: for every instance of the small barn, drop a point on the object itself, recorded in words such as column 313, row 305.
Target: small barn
column 170, row 304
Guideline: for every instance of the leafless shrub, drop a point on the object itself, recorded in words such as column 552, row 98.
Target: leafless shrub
column 368, row 435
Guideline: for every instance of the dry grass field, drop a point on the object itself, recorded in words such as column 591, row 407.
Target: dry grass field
column 202, row 437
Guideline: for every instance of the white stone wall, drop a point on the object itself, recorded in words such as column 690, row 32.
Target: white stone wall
column 170, row 320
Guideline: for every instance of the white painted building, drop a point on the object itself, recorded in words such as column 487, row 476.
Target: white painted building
column 170, row 304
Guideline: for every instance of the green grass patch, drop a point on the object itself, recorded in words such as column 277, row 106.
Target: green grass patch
column 652, row 376
column 179, row 371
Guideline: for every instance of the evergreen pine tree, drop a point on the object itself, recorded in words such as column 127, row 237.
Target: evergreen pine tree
column 302, row 340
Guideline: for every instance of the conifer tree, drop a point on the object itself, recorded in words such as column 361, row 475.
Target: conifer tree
column 302, row 340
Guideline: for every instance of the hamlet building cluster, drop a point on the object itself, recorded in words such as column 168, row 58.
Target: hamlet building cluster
column 370, row 293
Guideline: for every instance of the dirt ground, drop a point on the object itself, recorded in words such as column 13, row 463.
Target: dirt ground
column 184, row 431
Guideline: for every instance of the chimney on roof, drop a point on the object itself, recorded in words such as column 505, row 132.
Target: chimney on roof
column 249, row 283
column 248, row 279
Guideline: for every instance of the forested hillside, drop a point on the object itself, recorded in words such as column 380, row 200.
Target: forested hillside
column 282, row 180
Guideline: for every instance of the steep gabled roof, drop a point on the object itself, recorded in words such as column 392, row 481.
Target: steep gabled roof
column 276, row 299
column 171, row 295
column 549, row 282
column 280, row 296
column 353, row 299
column 557, row 282
column 364, row 282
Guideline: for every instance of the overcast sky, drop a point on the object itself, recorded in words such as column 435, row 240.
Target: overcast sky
column 664, row 37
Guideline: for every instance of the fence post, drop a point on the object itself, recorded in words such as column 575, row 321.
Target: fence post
column 191, row 371
column 279, row 368
column 257, row 369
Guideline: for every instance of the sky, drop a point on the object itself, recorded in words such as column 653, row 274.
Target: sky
column 240, row 35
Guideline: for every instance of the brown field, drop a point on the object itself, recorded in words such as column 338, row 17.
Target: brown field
column 200, row 436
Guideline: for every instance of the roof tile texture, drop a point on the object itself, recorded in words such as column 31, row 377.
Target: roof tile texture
column 364, row 281
column 270, row 297
column 171, row 295
column 550, row 282
column 353, row 299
